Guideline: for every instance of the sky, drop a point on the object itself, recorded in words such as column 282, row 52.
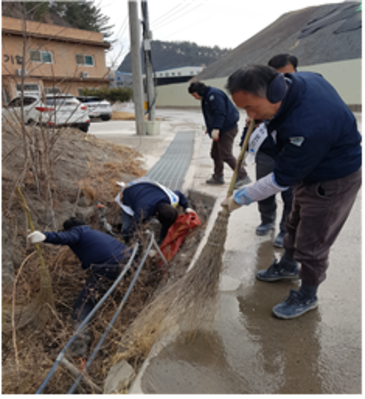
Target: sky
column 223, row 23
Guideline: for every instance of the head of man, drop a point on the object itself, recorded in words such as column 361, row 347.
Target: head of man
column 166, row 215
column 284, row 63
column 73, row 222
column 257, row 89
column 196, row 89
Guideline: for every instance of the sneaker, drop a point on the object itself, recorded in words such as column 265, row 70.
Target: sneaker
column 295, row 305
column 279, row 240
column 264, row 228
column 277, row 271
column 215, row 180
column 242, row 182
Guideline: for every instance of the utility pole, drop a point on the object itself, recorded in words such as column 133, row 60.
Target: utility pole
column 137, row 80
column 147, row 37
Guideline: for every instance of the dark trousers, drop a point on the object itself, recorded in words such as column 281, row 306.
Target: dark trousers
column 101, row 278
column 267, row 207
column 221, row 152
column 318, row 214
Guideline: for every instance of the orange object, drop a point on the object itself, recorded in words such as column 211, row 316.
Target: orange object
column 177, row 233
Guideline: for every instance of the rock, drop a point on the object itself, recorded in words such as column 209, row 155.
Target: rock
column 119, row 377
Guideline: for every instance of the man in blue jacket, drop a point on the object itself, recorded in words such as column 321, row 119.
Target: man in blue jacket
column 221, row 118
column 97, row 251
column 263, row 150
column 143, row 199
column 319, row 155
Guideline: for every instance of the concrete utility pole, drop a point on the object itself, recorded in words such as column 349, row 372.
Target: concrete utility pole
column 147, row 37
column 134, row 30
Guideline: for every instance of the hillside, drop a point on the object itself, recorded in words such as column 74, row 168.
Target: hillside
column 166, row 55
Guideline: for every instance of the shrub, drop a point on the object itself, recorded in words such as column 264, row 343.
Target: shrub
column 112, row 95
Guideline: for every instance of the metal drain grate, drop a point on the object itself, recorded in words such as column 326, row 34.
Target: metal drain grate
column 171, row 169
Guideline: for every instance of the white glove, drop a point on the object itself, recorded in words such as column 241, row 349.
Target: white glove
column 120, row 184
column 36, row 237
column 189, row 210
column 215, row 134
column 231, row 204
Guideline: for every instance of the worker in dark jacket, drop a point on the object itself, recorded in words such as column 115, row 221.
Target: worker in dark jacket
column 319, row 155
column 221, row 118
column 97, row 251
column 142, row 199
column 263, row 150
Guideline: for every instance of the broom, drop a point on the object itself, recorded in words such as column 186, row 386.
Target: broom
column 191, row 301
column 39, row 310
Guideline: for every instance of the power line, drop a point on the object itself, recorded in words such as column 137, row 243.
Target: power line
column 174, row 19
column 187, row 27
column 168, row 15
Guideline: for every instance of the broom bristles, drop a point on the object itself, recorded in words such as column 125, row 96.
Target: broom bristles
column 191, row 301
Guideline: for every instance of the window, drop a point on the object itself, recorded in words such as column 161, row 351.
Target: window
column 16, row 102
column 41, row 56
column 61, row 100
column 52, row 90
column 172, row 73
column 82, row 59
column 28, row 88
column 167, row 74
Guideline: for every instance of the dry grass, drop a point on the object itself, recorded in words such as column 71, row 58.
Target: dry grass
column 126, row 116
column 28, row 358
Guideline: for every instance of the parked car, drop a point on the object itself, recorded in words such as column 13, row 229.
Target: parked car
column 52, row 110
column 98, row 107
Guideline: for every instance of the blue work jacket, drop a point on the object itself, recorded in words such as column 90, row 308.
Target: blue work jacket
column 316, row 133
column 218, row 110
column 145, row 198
column 90, row 246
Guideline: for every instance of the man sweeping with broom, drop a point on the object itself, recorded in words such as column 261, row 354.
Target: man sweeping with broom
column 319, row 154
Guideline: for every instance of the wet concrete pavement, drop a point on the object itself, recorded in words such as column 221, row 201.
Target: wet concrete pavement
column 248, row 351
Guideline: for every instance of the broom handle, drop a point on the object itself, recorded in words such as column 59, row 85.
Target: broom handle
column 240, row 158
column 41, row 260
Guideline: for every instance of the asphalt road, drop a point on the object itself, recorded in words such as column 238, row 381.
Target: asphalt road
column 248, row 351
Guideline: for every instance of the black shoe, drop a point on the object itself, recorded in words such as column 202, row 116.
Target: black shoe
column 278, row 242
column 279, row 271
column 264, row 228
column 295, row 305
column 215, row 180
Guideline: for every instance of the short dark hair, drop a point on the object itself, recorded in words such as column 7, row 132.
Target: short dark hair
column 167, row 215
column 282, row 60
column 197, row 87
column 73, row 222
column 255, row 79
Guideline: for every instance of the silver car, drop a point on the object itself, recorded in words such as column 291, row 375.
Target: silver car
column 52, row 110
column 98, row 107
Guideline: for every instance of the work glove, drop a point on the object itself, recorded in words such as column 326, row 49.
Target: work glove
column 231, row 204
column 189, row 210
column 239, row 198
column 215, row 134
column 36, row 237
column 120, row 184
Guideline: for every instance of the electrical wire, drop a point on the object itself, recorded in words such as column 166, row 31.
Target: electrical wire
column 166, row 15
column 187, row 27
column 181, row 15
